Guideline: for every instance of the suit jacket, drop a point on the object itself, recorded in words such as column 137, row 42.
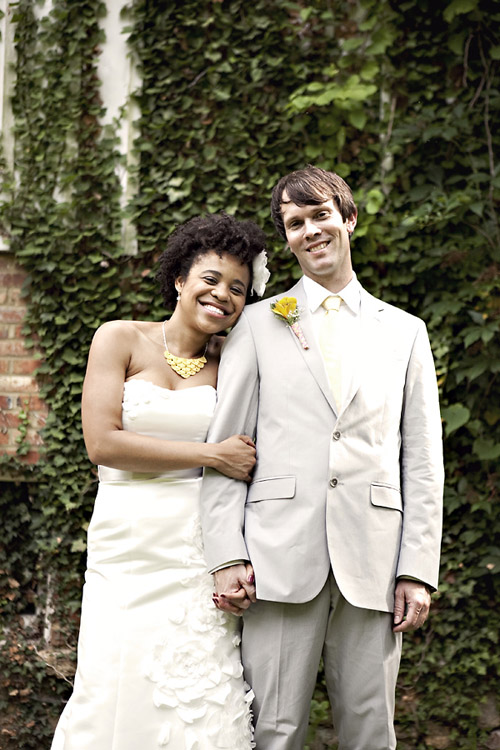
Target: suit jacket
column 358, row 491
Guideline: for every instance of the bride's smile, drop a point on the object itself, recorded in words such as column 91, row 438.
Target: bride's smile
column 213, row 293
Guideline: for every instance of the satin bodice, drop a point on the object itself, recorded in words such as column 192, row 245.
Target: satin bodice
column 151, row 410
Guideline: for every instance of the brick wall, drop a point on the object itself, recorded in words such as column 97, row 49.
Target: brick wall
column 18, row 387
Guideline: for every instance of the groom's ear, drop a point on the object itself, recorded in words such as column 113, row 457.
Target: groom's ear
column 351, row 222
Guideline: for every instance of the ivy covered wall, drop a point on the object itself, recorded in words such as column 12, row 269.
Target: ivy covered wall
column 402, row 99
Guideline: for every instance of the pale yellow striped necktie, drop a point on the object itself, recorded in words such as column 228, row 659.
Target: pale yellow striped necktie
column 329, row 345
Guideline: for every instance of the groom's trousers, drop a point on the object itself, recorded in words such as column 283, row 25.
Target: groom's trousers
column 281, row 649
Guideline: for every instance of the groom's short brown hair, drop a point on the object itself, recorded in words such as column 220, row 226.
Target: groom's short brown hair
column 311, row 186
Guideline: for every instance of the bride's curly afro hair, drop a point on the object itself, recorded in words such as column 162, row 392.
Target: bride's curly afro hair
column 220, row 233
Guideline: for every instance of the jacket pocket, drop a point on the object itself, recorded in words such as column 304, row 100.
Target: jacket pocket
column 272, row 488
column 386, row 496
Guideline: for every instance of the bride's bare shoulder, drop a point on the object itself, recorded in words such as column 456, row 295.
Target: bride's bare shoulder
column 117, row 332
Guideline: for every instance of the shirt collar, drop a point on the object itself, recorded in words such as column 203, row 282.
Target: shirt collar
column 315, row 293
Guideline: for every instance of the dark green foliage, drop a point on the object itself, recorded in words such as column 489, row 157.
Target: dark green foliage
column 29, row 694
column 402, row 99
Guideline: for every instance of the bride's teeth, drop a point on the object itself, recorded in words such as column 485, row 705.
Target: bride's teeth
column 214, row 310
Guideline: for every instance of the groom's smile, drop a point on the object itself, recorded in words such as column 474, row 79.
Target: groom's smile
column 318, row 247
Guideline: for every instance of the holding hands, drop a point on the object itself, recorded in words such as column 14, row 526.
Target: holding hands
column 234, row 588
column 234, row 585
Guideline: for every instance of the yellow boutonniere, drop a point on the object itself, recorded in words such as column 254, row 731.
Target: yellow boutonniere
column 286, row 309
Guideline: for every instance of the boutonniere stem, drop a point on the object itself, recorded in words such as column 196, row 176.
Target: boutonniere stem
column 286, row 309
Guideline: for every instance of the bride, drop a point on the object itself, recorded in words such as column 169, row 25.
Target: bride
column 158, row 663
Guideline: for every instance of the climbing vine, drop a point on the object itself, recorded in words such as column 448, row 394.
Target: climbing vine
column 402, row 100
column 63, row 221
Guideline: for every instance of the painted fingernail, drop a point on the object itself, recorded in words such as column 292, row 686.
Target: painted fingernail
column 251, row 578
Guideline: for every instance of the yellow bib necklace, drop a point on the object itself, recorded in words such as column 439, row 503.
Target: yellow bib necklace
column 183, row 366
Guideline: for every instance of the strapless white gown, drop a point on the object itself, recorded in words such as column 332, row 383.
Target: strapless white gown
column 158, row 664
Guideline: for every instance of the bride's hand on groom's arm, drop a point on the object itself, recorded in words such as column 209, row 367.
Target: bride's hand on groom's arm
column 234, row 457
column 234, row 588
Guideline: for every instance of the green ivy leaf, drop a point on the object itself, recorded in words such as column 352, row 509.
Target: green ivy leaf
column 486, row 449
column 357, row 118
column 454, row 416
column 456, row 43
column 374, row 202
column 79, row 545
column 456, row 7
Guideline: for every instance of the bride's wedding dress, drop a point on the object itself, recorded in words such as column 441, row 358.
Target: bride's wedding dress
column 158, row 664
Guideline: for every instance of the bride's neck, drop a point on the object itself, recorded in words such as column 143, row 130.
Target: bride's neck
column 182, row 340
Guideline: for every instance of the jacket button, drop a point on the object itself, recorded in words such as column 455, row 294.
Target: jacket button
column 336, row 435
column 334, row 482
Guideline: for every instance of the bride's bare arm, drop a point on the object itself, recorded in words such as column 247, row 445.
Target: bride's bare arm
column 109, row 444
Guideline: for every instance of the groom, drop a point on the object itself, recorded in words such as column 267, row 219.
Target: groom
column 342, row 520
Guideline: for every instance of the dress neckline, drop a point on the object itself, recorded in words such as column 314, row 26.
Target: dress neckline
column 164, row 388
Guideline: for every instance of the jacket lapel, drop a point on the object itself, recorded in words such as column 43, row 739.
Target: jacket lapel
column 312, row 355
column 371, row 315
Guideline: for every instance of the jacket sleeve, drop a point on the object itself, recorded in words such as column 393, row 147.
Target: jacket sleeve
column 223, row 499
column 422, row 473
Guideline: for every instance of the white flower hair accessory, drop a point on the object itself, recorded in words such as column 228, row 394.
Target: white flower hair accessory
column 260, row 273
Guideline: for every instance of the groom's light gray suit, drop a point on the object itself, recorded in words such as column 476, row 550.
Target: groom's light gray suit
column 356, row 493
